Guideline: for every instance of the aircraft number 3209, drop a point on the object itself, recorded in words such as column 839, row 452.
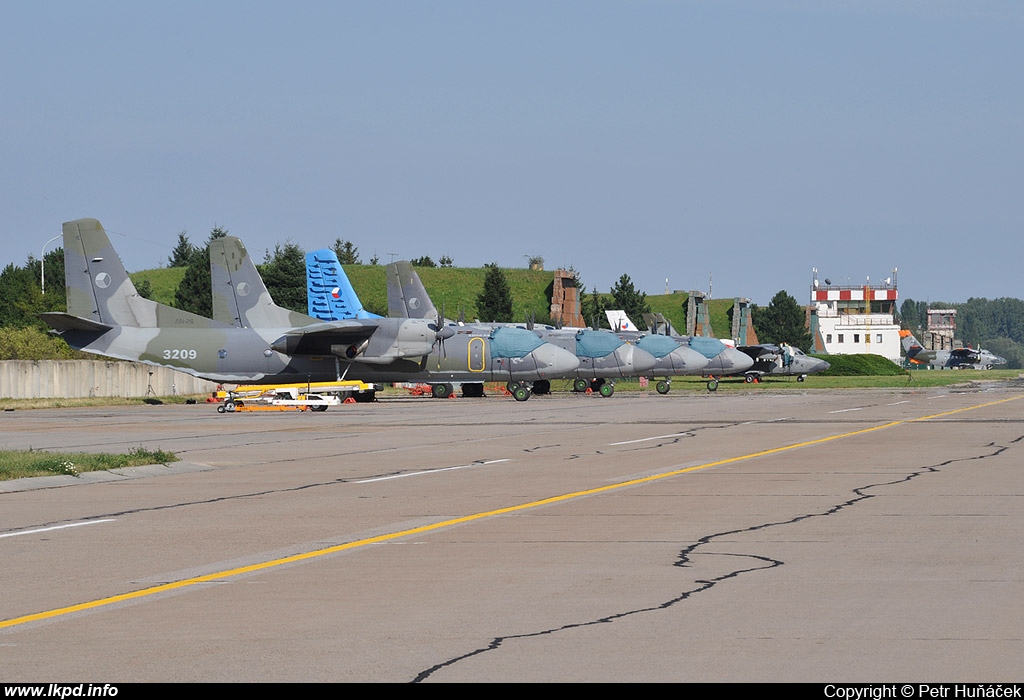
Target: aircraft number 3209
column 180, row 354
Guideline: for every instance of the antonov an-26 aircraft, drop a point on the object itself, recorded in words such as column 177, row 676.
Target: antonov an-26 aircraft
column 106, row 316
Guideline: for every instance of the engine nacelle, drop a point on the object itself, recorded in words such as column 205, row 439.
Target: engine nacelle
column 356, row 349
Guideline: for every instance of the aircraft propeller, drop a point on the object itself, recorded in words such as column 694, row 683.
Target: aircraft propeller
column 441, row 332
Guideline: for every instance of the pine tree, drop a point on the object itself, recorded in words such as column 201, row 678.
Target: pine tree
column 592, row 308
column 494, row 304
column 634, row 303
column 284, row 273
column 182, row 253
column 194, row 292
column 782, row 321
column 347, row 253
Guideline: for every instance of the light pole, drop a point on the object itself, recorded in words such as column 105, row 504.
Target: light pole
column 42, row 269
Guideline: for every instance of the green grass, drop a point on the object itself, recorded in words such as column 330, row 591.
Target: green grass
column 455, row 289
column 18, row 464
column 164, row 282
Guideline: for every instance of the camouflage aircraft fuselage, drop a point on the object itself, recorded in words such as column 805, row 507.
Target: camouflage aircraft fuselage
column 601, row 354
column 106, row 316
column 245, row 355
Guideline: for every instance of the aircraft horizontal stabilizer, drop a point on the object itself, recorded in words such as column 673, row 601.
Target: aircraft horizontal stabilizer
column 60, row 321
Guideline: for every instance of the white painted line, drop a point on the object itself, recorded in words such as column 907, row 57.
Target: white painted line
column 433, row 471
column 844, row 410
column 897, row 403
column 656, row 437
column 57, row 527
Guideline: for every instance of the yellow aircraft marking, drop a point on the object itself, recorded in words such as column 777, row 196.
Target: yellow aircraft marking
column 274, row 563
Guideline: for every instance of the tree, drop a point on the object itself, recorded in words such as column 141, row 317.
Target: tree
column 913, row 315
column 54, row 291
column 182, row 253
column 445, row 261
column 425, row 261
column 284, row 273
column 494, row 304
column 592, row 309
column 347, row 253
column 782, row 321
column 634, row 303
column 194, row 292
column 20, row 297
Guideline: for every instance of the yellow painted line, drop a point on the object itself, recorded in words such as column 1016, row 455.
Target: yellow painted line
column 961, row 410
column 229, row 573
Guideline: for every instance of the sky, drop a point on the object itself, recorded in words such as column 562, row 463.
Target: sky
column 729, row 147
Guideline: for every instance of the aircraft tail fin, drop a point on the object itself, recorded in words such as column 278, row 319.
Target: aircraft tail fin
column 407, row 297
column 910, row 344
column 99, row 289
column 619, row 321
column 240, row 297
column 329, row 293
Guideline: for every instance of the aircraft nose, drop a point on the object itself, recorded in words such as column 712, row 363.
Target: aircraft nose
column 554, row 362
column 734, row 361
column 820, row 365
column 634, row 361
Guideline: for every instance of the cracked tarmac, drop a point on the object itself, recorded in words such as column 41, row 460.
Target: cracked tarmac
column 849, row 536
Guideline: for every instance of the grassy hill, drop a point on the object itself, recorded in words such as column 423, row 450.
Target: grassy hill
column 456, row 289
column 163, row 282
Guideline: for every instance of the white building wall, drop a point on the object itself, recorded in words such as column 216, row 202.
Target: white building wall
column 851, row 333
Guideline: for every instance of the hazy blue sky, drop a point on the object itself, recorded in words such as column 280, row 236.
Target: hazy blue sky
column 748, row 141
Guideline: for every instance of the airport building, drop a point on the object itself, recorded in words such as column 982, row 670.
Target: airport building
column 849, row 319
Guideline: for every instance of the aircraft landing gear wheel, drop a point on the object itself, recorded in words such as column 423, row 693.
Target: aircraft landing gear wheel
column 748, row 378
column 801, row 377
column 607, row 390
column 521, row 393
column 580, row 385
column 510, row 386
column 713, row 385
column 442, row 391
column 662, row 387
column 542, row 386
column 221, row 409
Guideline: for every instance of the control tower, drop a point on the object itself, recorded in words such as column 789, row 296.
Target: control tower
column 855, row 318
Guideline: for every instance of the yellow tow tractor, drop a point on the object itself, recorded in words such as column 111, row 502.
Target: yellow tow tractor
column 316, row 396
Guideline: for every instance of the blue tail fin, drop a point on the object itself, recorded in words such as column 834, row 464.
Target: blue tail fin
column 329, row 294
